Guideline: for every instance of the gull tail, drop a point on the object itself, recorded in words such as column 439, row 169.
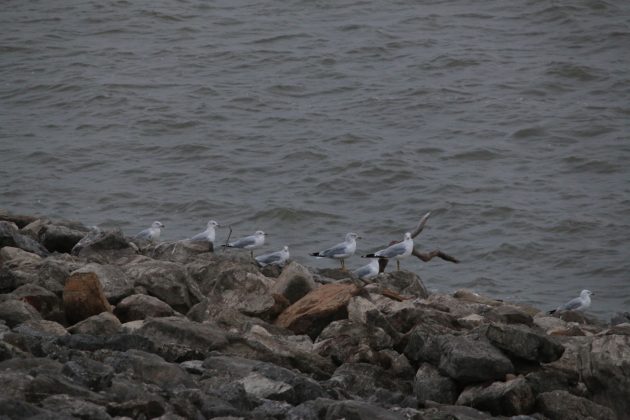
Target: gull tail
column 370, row 256
column 314, row 254
column 553, row 311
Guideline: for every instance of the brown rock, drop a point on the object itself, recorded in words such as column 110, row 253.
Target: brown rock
column 313, row 312
column 83, row 297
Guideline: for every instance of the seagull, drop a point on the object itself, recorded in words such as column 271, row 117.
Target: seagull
column 278, row 258
column 207, row 235
column 577, row 304
column 368, row 271
column 399, row 250
column 249, row 242
column 340, row 251
column 152, row 233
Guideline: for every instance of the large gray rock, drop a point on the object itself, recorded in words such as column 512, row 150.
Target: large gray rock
column 430, row 384
column 10, row 236
column 363, row 380
column 604, row 366
column 472, row 360
column 90, row 373
column 523, row 342
column 104, row 323
column 104, row 246
column 500, row 398
column 346, row 341
column 137, row 307
column 18, row 267
column 46, row 302
column 75, row 407
column 294, row 282
column 60, row 238
column 14, row 312
column 363, row 311
column 41, row 328
column 358, row 410
column 404, row 282
column 165, row 280
column 150, row 368
column 563, row 405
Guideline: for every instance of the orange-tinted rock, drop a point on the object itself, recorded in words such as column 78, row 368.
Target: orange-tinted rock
column 313, row 312
column 83, row 297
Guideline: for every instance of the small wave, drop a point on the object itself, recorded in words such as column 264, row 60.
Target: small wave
column 476, row 155
column 528, row 132
column 572, row 71
column 287, row 214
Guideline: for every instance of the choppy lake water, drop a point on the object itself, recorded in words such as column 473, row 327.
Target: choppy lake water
column 310, row 119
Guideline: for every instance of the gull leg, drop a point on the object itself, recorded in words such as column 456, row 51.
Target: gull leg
column 343, row 264
column 397, row 265
column 251, row 253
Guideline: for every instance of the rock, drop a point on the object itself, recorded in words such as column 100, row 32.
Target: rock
column 310, row 410
column 104, row 323
column 562, row 405
column 136, row 307
column 12, row 409
column 620, row 318
column 404, row 283
column 90, row 373
column 132, row 327
column 136, row 408
column 150, row 368
column 44, row 301
column 46, row 384
column 472, row 360
column 429, row 384
column 18, row 219
column 313, row 312
column 165, row 280
column 294, row 282
column 357, row 410
column 472, row 297
column 456, row 412
column 345, row 341
column 115, row 283
column 604, row 366
column 10, row 236
column 510, row 314
column 201, row 338
column 104, row 247
column 520, row 341
column 406, row 315
column 363, row 311
column 18, row 267
column 14, row 312
column 59, row 238
column 41, row 328
column 83, row 297
column 618, row 329
column 471, row 321
column 75, row 407
column 547, row 323
column 500, row 398
column 363, row 379
column 118, row 342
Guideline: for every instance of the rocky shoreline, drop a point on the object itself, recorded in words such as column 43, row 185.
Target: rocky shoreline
column 113, row 329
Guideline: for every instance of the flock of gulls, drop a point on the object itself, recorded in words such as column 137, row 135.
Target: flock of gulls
column 341, row 251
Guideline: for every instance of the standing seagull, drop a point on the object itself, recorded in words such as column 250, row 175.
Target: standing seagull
column 249, row 242
column 278, row 258
column 578, row 304
column 400, row 250
column 368, row 271
column 207, row 235
column 152, row 233
column 340, row 251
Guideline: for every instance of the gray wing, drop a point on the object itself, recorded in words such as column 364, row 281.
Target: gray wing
column 572, row 304
column 243, row 242
column 200, row 237
column 364, row 271
column 269, row 258
column 145, row 234
column 338, row 249
column 392, row 251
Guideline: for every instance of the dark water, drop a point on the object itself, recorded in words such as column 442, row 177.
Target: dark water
column 310, row 119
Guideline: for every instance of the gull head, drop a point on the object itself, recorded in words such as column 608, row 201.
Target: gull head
column 286, row 248
column 352, row 237
column 157, row 225
column 213, row 224
column 407, row 236
column 260, row 233
column 585, row 293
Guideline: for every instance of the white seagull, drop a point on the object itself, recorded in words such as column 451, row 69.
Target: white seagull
column 249, row 242
column 207, row 235
column 340, row 251
column 397, row 251
column 577, row 304
column 368, row 271
column 278, row 258
column 152, row 233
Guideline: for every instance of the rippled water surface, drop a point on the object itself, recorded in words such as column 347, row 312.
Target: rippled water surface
column 310, row 119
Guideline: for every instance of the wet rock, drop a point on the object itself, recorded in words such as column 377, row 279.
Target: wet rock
column 83, row 297
column 313, row 312
column 200, row 338
column 137, row 307
column 520, row 341
column 10, row 236
column 500, row 398
column 41, row 328
column 150, row 368
column 104, row 323
column 115, row 283
column 429, row 384
column 165, row 280
column 604, row 366
column 46, row 302
column 75, row 407
column 562, row 405
column 294, row 282
column 14, row 312
column 357, row 410
column 472, row 360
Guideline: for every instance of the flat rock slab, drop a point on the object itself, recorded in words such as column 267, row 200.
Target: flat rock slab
column 313, row 312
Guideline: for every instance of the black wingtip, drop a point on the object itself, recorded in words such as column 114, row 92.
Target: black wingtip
column 368, row 256
column 553, row 311
column 314, row 254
